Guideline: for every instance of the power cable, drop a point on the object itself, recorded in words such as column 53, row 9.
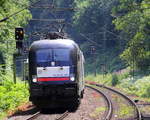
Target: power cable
column 90, row 40
column 49, row 20
column 6, row 18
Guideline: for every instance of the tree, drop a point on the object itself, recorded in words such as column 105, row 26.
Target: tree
column 132, row 18
column 7, row 40
column 94, row 20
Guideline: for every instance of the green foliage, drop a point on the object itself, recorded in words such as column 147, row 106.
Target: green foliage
column 132, row 19
column 103, row 62
column 109, row 79
column 94, row 20
column 139, row 86
column 11, row 95
column 7, row 41
column 92, row 15
column 114, row 80
column 125, row 110
column 102, row 79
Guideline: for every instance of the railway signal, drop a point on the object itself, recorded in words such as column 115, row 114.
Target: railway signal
column 19, row 33
column 19, row 36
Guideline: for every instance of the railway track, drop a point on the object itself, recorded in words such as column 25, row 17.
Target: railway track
column 109, row 111
column 36, row 115
column 107, row 114
column 64, row 115
column 138, row 114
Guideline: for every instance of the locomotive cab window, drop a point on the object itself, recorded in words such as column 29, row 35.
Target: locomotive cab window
column 60, row 56
column 44, row 56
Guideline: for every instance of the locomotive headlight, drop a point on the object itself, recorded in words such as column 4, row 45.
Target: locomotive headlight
column 72, row 78
column 34, row 78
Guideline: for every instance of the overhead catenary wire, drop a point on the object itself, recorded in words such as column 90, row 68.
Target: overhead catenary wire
column 60, row 22
column 88, row 39
column 49, row 20
column 6, row 18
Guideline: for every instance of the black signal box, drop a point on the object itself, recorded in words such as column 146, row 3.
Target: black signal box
column 19, row 33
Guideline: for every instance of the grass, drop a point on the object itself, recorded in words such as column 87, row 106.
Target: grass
column 139, row 86
column 103, row 79
column 125, row 111
column 97, row 111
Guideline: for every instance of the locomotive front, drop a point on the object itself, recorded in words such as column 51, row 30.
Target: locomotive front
column 53, row 71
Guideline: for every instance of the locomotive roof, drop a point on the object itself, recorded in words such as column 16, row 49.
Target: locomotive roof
column 58, row 43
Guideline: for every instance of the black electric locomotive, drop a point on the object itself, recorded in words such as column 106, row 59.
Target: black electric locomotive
column 56, row 73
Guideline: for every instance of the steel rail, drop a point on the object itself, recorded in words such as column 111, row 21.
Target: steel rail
column 139, row 115
column 33, row 116
column 109, row 103
column 64, row 115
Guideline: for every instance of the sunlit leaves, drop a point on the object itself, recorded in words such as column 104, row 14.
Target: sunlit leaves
column 7, row 8
column 135, row 23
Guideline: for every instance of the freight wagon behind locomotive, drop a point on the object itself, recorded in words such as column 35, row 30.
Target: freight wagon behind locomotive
column 56, row 73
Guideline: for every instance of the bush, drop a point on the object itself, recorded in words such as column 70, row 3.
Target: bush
column 139, row 87
column 102, row 79
column 12, row 95
column 114, row 80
